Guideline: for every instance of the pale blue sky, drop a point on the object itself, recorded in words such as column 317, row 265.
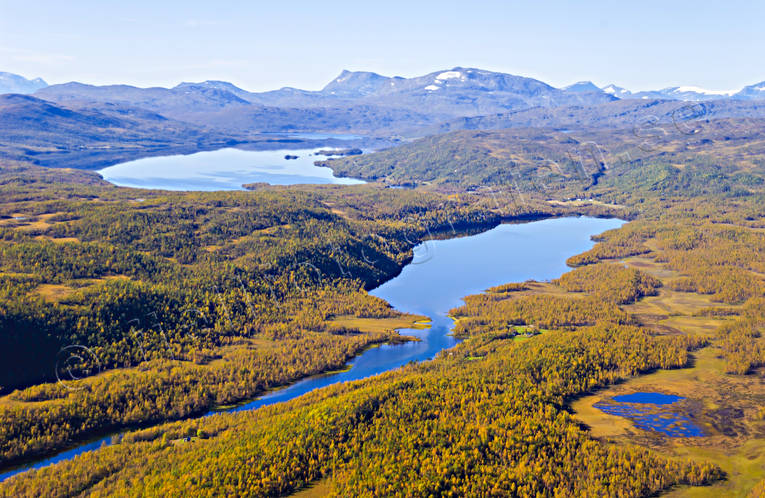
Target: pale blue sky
column 265, row 45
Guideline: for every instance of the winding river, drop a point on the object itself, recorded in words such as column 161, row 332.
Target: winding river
column 441, row 272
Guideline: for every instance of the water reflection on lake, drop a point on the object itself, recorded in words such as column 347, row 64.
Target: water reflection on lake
column 444, row 271
column 224, row 169
column 441, row 273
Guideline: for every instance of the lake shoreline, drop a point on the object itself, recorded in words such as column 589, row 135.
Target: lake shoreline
column 116, row 431
column 222, row 169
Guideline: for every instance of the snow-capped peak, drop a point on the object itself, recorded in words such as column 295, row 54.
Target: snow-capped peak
column 616, row 91
column 450, row 75
column 703, row 91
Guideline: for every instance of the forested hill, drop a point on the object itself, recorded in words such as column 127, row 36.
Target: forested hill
column 87, row 126
column 184, row 301
column 546, row 160
column 128, row 310
column 680, row 284
column 628, row 113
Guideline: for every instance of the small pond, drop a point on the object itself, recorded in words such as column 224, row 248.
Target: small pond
column 653, row 411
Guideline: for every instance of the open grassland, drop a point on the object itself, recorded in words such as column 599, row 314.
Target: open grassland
column 318, row 489
column 728, row 407
column 377, row 325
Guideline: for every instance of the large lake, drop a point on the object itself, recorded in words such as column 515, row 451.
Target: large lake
column 441, row 273
column 223, row 169
column 444, row 271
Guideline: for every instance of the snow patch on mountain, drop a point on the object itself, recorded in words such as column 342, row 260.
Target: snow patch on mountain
column 695, row 89
column 616, row 91
column 450, row 75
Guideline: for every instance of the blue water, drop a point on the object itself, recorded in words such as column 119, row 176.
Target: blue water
column 224, row 169
column 651, row 411
column 652, row 398
column 440, row 274
column 60, row 457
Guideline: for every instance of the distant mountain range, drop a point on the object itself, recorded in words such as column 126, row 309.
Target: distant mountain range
column 445, row 94
column 466, row 91
column 226, row 108
column 691, row 93
column 48, row 134
column 13, row 83
column 80, row 120
column 459, row 91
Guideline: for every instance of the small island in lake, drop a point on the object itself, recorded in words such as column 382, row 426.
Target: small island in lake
column 339, row 152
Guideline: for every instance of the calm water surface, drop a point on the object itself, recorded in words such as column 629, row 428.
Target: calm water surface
column 224, row 169
column 653, row 411
column 651, row 398
column 441, row 273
